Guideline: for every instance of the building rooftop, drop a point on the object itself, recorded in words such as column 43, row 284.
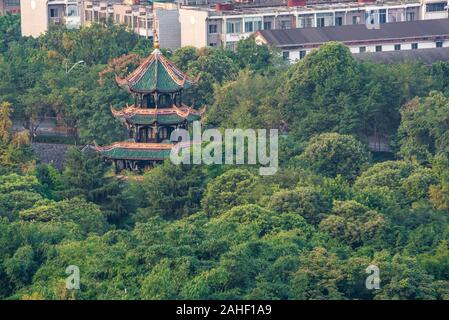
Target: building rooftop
column 239, row 9
column 356, row 33
column 426, row 56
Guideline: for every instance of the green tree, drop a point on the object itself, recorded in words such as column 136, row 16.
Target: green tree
column 184, row 57
column 213, row 67
column 87, row 175
column 171, row 191
column 87, row 215
column 305, row 201
column 234, row 187
column 21, row 266
column 318, row 276
column 9, row 30
column 353, row 223
column 322, row 92
column 332, row 154
column 247, row 102
column 253, row 56
column 424, row 128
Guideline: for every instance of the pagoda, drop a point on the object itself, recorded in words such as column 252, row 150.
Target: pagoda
column 157, row 86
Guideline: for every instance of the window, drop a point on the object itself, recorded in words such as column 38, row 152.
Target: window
column 12, row 3
column 371, row 17
column 249, row 26
column 324, row 19
column 338, row 21
column 233, row 27
column 285, row 55
column 434, row 7
column 163, row 134
column 231, row 46
column 178, row 99
column 151, row 102
column 267, row 25
column 397, row 47
column 414, row 46
column 286, row 24
column 305, row 21
column 128, row 21
column 362, row 49
column 88, row 15
column 320, row 22
column 53, row 13
column 213, row 28
column 410, row 16
column 355, row 20
column 439, row 44
column 378, row 48
column 164, row 100
column 72, row 11
column 383, row 16
column 302, row 54
column 253, row 24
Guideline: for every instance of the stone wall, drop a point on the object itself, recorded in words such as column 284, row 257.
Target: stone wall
column 50, row 153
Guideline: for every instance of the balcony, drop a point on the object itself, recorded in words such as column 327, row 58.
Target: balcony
column 57, row 21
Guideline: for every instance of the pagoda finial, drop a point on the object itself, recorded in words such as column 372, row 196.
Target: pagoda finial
column 155, row 40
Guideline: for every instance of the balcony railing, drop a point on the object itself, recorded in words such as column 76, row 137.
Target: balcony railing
column 56, row 21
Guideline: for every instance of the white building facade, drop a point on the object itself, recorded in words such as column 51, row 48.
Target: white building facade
column 38, row 15
column 208, row 26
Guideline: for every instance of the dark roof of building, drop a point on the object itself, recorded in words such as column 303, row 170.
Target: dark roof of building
column 356, row 33
column 426, row 56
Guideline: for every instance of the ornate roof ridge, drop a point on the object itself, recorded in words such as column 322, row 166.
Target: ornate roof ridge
column 132, row 110
column 136, row 145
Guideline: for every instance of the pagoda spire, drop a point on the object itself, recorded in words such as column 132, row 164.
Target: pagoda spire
column 156, row 44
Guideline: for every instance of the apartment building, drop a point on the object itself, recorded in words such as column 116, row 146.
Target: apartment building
column 39, row 15
column 9, row 6
column 434, row 9
column 296, row 43
column 225, row 24
column 139, row 17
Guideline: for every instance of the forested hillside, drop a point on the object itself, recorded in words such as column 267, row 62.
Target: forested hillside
column 224, row 232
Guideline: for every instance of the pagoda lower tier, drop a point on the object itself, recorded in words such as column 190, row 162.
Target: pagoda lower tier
column 135, row 155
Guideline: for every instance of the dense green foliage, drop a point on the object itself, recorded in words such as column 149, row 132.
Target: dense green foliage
column 208, row 232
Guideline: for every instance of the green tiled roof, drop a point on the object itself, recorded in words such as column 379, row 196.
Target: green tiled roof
column 136, row 154
column 150, row 81
column 156, row 73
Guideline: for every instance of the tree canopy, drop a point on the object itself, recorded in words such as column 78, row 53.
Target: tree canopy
column 206, row 232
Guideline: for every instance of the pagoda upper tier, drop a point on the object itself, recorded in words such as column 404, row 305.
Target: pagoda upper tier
column 155, row 74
